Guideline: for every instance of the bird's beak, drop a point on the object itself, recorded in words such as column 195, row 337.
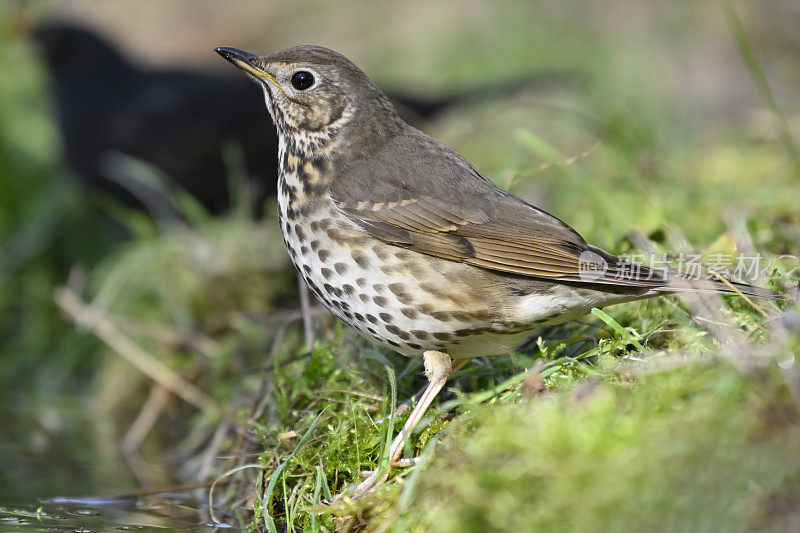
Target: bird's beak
column 245, row 61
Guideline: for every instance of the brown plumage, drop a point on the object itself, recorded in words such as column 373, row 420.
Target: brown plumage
column 452, row 211
column 403, row 239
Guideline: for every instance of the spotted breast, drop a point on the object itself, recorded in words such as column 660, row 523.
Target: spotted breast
column 401, row 299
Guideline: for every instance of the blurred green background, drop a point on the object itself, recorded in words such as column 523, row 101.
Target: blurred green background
column 654, row 122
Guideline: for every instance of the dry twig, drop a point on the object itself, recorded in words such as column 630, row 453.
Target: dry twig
column 109, row 333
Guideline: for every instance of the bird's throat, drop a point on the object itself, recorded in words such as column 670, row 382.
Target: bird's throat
column 303, row 177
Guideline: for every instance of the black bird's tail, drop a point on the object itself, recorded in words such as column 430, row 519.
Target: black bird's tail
column 428, row 107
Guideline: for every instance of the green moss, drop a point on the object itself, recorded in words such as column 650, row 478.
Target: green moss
column 692, row 449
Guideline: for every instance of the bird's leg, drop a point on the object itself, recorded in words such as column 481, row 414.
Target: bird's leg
column 403, row 407
column 305, row 308
column 438, row 368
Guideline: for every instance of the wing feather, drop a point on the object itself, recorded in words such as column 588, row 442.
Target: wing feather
column 462, row 216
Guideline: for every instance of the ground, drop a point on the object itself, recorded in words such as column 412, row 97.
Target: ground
column 669, row 414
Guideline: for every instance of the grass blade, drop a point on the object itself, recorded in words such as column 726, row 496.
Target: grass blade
column 616, row 326
column 273, row 478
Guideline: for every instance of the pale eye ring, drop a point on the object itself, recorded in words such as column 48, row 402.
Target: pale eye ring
column 302, row 80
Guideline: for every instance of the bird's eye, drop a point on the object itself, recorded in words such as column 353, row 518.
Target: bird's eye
column 302, row 80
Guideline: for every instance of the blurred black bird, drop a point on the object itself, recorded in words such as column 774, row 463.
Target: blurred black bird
column 179, row 121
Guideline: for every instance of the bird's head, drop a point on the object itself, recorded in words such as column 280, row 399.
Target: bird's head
column 316, row 95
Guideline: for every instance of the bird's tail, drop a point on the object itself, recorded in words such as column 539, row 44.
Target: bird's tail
column 680, row 283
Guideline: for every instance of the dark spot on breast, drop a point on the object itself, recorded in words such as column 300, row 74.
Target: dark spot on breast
column 387, row 269
column 393, row 343
column 391, row 328
column 349, row 289
column 386, row 317
column 361, row 282
column 360, row 258
column 314, row 245
column 321, row 164
column 323, row 255
column 442, row 316
column 378, row 287
column 314, row 226
column 304, row 250
column 328, row 288
column 373, row 331
column 364, row 297
column 399, row 290
column 460, row 316
column 359, row 316
column 432, row 289
column 414, row 346
column 410, row 312
column 481, row 316
column 304, row 178
column 379, row 251
column 336, row 235
column 399, row 332
column 287, row 190
column 426, row 309
column 293, row 214
column 372, row 318
column 299, row 232
column 442, row 336
column 327, row 273
column 333, row 292
column 421, row 335
column 380, row 301
column 403, row 255
column 307, row 269
column 463, row 332
column 313, row 286
column 341, row 268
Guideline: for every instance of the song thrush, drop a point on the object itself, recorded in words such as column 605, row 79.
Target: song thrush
column 407, row 242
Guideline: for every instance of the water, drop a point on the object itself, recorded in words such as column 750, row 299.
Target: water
column 59, row 471
column 172, row 512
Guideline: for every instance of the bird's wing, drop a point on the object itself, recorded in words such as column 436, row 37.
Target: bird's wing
column 441, row 205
